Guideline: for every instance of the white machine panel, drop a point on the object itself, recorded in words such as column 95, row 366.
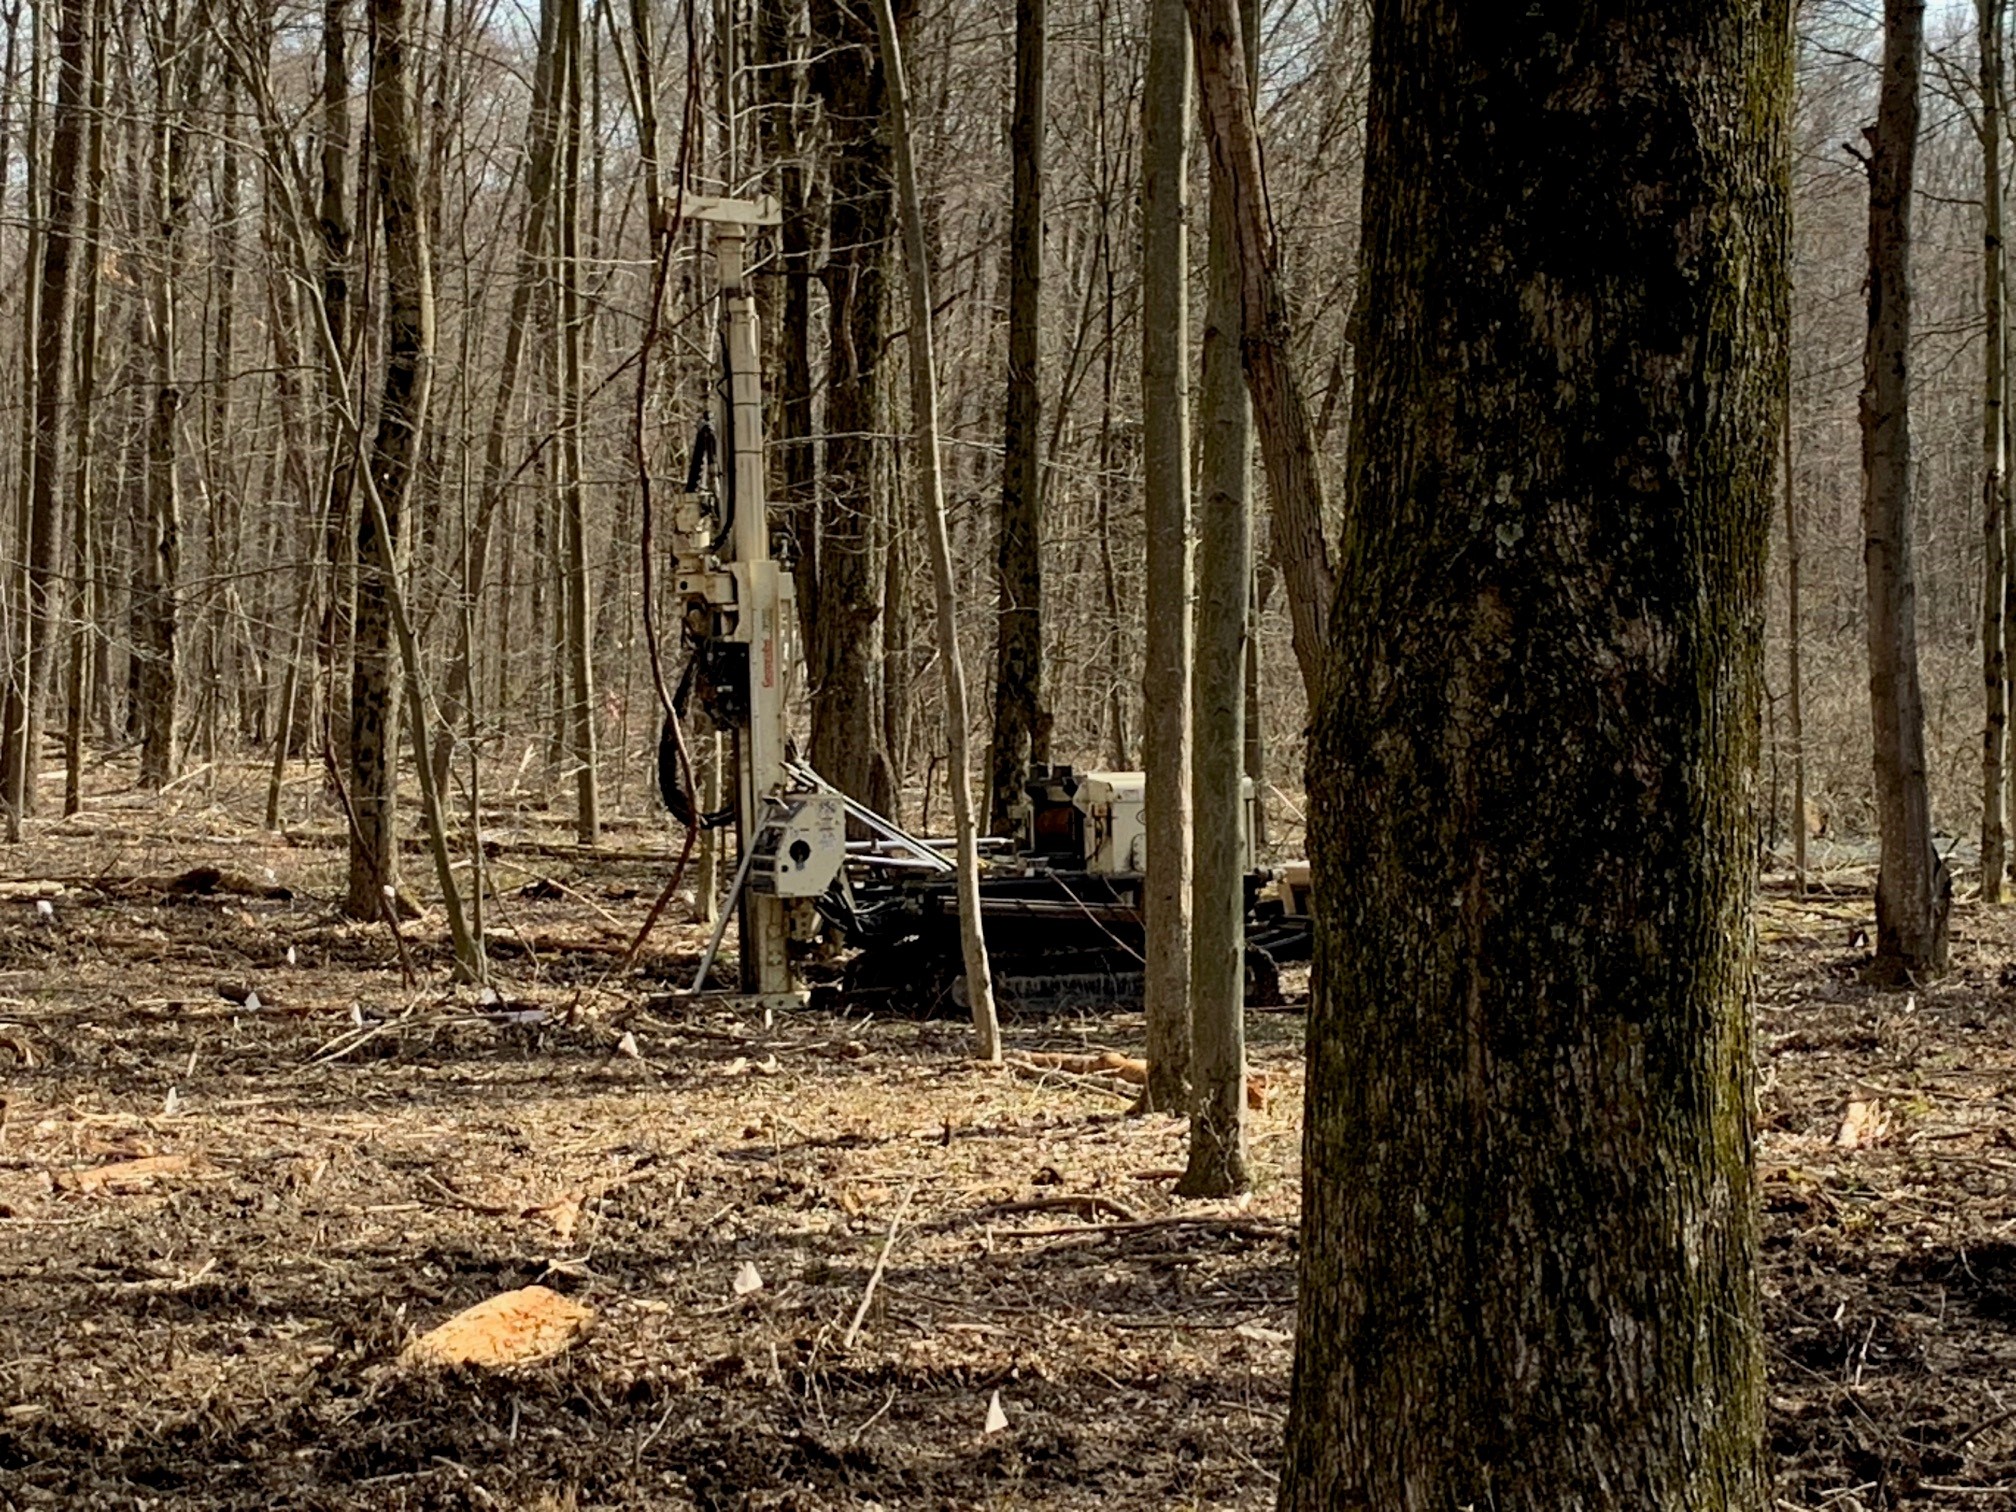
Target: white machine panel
column 1116, row 834
column 802, row 850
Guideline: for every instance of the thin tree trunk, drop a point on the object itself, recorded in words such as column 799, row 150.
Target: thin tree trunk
column 1217, row 1165
column 1796, row 712
column 1256, row 738
column 1990, row 29
column 339, row 605
column 395, row 451
column 577, row 615
column 1018, row 641
column 84, row 472
column 1528, row 1274
column 1287, row 438
column 924, row 420
column 18, row 720
column 781, row 80
column 542, row 131
column 53, row 358
column 1165, row 411
column 1913, row 891
column 160, row 649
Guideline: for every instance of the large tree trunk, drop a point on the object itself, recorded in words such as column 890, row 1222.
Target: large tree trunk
column 1913, row 891
column 395, row 449
column 1989, row 18
column 848, row 75
column 1529, row 1225
column 1018, row 556
column 1165, row 443
column 1217, row 1164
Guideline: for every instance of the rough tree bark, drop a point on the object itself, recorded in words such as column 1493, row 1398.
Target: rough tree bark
column 1018, row 642
column 1165, row 425
column 1529, row 1227
column 50, row 415
column 780, row 79
column 83, row 550
column 159, row 649
column 576, row 612
column 924, row 420
column 1217, row 1163
column 395, row 449
column 849, row 76
column 1795, row 690
column 1913, row 890
column 1990, row 27
column 339, row 602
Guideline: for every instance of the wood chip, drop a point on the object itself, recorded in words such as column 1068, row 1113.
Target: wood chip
column 127, row 1173
column 516, row 1328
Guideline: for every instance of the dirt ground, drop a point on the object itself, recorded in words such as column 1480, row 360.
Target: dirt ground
column 342, row 1158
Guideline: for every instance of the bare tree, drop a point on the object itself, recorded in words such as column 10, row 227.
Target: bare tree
column 924, row 420
column 1217, row 1164
column 1018, row 643
column 179, row 61
column 1990, row 28
column 1913, row 890
column 1165, row 421
column 395, row 449
column 1287, row 437
column 19, row 729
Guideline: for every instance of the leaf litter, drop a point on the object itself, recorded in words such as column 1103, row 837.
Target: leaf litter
column 224, row 1328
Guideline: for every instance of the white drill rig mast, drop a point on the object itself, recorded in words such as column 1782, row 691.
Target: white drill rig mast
column 740, row 616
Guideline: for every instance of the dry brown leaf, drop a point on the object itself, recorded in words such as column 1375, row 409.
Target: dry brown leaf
column 516, row 1328
column 563, row 1212
column 127, row 1173
column 1864, row 1123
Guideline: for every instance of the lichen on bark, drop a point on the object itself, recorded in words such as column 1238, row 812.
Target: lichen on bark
column 1529, row 1211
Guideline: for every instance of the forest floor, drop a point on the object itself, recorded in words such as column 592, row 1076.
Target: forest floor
column 347, row 1158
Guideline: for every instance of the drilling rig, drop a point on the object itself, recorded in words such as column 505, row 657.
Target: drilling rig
column 739, row 618
column 1060, row 901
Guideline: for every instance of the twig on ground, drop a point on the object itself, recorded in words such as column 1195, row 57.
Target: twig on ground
column 881, row 1264
column 1244, row 1228
column 487, row 1209
column 1087, row 1205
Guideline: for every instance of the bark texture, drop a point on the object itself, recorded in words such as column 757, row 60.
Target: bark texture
column 1287, row 438
column 1527, row 1276
column 1217, row 1158
column 1913, row 890
column 842, row 655
column 924, row 419
column 395, row 450
column 1165, row 425
column 1990, row 19
column 1018, row 644
column 26, row 695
